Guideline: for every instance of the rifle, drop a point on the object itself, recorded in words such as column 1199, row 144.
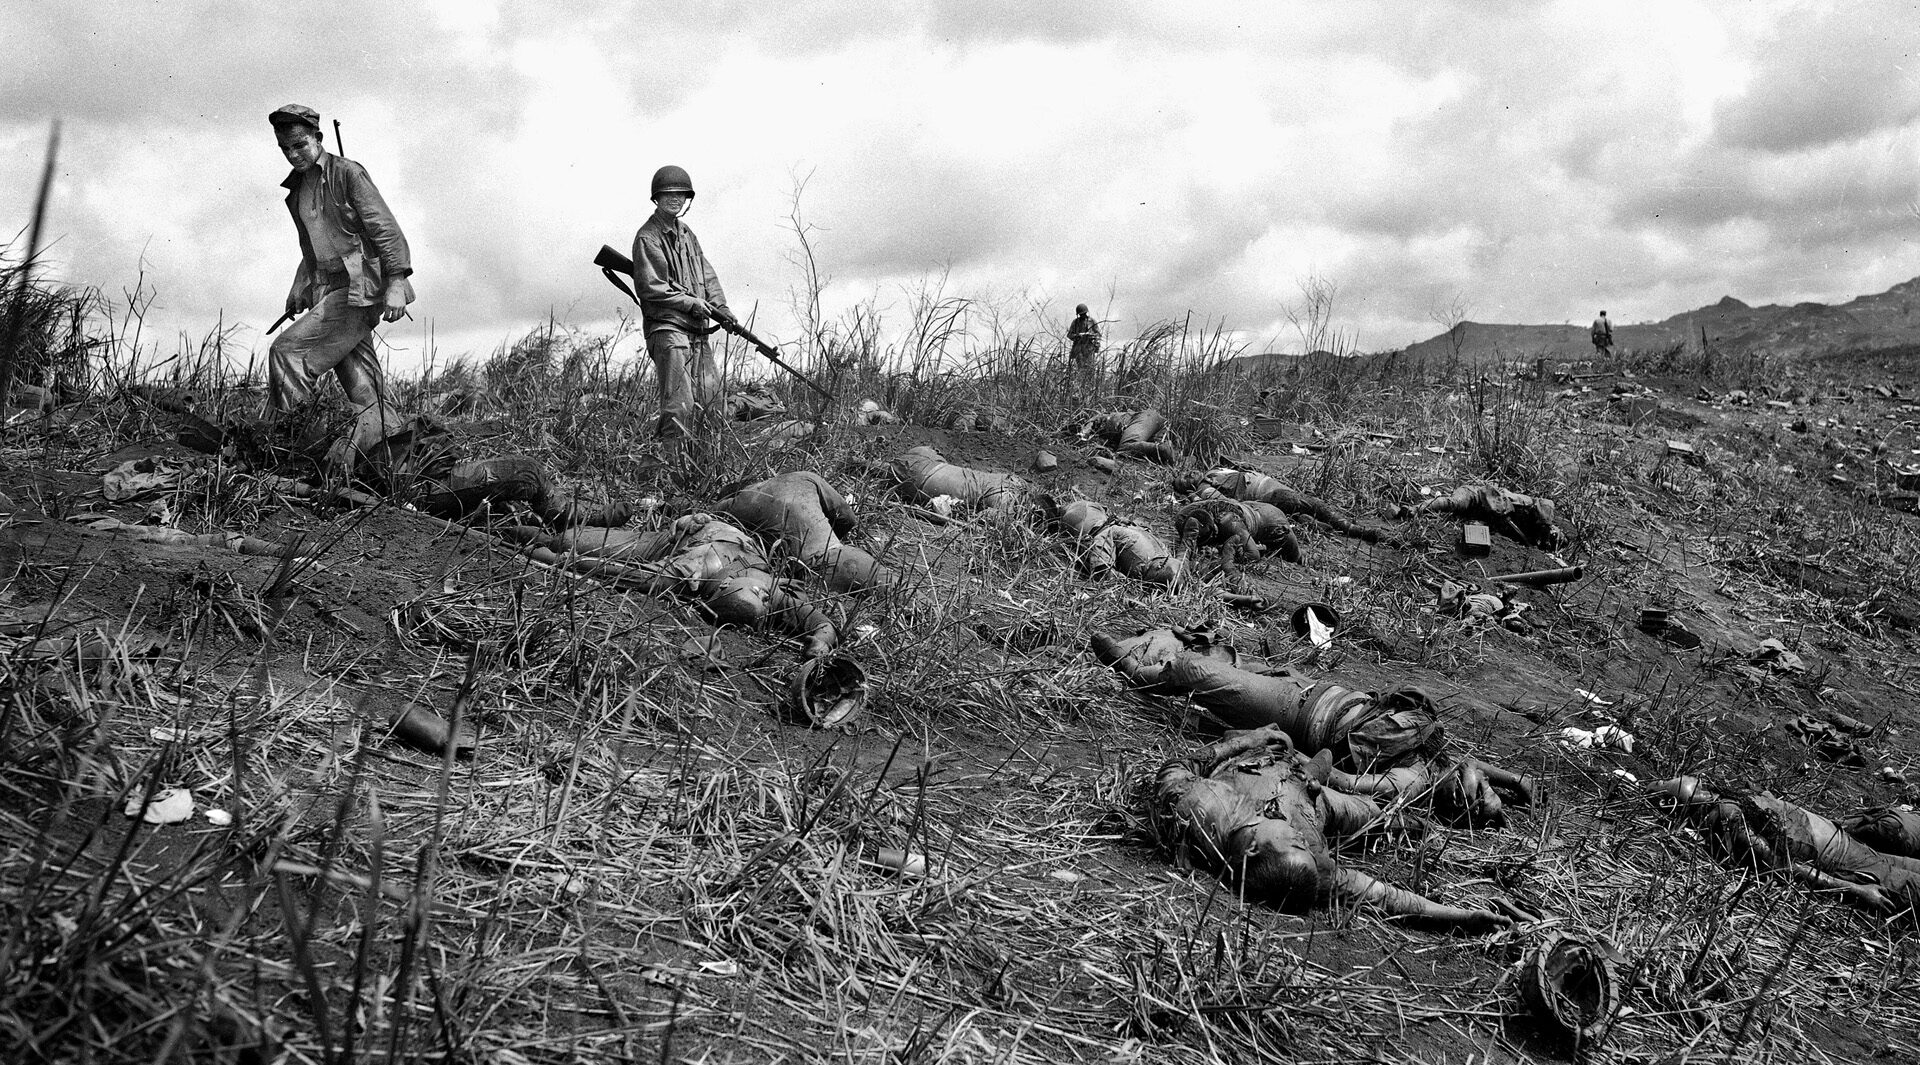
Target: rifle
column 612, row 264
column 1539, row 578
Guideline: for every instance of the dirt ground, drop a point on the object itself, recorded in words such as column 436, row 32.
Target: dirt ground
column 647, row 856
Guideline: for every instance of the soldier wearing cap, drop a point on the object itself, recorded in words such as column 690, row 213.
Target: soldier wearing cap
column 679, row 292
column 354, row 272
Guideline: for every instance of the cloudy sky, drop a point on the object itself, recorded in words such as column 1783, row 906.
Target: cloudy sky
column 1535, row 161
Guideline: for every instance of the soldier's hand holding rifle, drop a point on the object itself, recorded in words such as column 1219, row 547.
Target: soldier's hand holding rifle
column 399, row 293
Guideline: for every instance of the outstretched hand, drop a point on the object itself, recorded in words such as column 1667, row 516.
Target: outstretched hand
column 1479, row 922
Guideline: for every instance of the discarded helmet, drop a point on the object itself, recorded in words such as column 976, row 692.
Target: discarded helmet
column 671, row 179
column 1306, row 614
column 827, row 692
column 1567, row 980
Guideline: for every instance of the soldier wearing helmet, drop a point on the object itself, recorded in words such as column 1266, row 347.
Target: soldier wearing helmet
column 679, row 292
column 1084, row 335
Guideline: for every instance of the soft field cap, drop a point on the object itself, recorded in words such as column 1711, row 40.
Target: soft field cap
column 288, row 114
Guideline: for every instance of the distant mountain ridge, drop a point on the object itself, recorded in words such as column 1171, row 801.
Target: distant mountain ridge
column 1882, row 320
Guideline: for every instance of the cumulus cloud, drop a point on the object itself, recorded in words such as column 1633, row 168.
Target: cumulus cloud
column 1826, row 74
column 1535, row 160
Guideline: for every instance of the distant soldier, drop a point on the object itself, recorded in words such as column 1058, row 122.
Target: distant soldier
column 1602, row 333
column 1084, row 334
column 354, row 272
column 679, row 292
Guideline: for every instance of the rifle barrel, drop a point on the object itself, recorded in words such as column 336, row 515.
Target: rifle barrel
column 612, row 264
column 1541, row 578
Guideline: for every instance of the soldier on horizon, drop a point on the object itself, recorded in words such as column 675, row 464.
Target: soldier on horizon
column 1083, row 333
column 1602, row 333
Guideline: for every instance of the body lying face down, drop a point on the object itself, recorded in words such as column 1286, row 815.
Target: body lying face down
column 1108, row 546
column 506, row 483
column 1385, row 745
column 1515, row 515
column 805, row 516
column 1253, row 809
column 1140, row 434
column 699, row 558
column 1234, row 529
column 1772, row 834
column 1253, row 487
column 922, row 474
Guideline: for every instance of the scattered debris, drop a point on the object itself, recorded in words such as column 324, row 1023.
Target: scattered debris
column 1659, row 624
column 827, row 692
column 1685, row 453
column 33, row 398
column 1567, row 979
column 169, row 806
column 1605, row 737
column 1316, row 623
column 705, row 652
column 1541, row 578
column 870, row 413
column 1632, row 409
column 1827, row 742
column 1774, row 655
column 1476, row 540
column 904, row 862
column 421, row 727
column 137, row 477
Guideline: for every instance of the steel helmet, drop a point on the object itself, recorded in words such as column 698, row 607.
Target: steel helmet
column 1080, row 308
column 671, row 179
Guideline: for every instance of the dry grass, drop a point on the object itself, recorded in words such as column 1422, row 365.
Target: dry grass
column 642, row 863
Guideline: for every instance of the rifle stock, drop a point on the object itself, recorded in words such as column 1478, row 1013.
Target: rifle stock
column 612, row 264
